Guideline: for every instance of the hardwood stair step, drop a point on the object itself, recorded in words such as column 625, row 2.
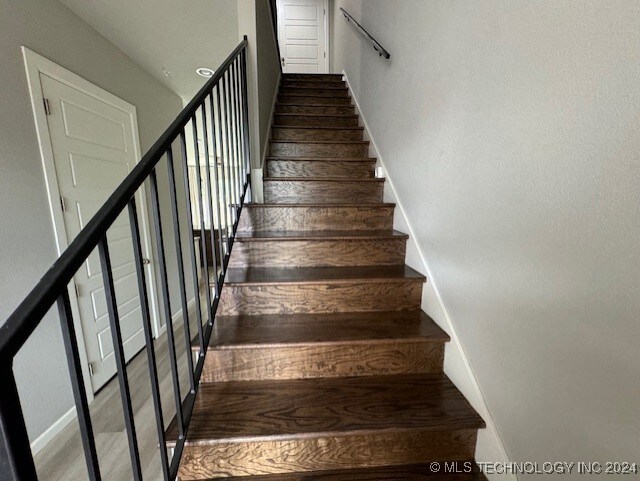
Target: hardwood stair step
column 318, row 249
column 287, row 132
column 316, row 217
column 317, row 290
column 314, row 92
column 312, row 76
column 313, row 100
column 414, row 472
column 318, row 148
column 314, row 120
column 314, row 83
column 293, row 190
column 267, row 427
column 247, row 348
column 306, row 167
column 310, row 109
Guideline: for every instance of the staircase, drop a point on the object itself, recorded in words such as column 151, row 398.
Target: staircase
column 321, row 365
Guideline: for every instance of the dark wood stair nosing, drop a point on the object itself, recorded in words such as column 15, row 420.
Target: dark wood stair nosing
column 314, row 127
column 319, row 236
column 324, row 142
column 264, row 276
column 324, row 179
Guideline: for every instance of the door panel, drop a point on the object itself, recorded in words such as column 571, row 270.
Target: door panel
column 301, row 34
column 93, row 150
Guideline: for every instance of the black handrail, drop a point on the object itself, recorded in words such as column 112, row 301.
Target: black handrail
column 231, row 106
column 376, row 45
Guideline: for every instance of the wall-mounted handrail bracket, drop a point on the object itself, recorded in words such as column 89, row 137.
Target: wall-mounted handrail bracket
column 376, row 45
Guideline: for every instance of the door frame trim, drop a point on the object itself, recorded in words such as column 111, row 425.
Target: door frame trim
column 327, row 45
column 35, row 65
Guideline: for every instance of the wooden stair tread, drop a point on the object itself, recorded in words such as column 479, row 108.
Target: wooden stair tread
column 280, row 104
column 414, row 472
column 320, row 235
column 320, row 275
column 324, row 159
column 323, row 179
column 311, row 329
column 290, row 114
column 252, row 411
column 314, row 127
column 319, row 142
column 270, row 205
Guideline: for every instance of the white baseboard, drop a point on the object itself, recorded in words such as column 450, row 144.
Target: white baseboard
column 490, row 444
column 52, row 431
column 41, row 441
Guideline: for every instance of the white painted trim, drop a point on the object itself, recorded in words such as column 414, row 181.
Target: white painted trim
column 41, row 441
column 327, row 46
column 35, row 65
column 450, row 326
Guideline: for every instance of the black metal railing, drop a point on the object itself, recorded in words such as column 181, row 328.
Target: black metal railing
column 218, row 116
column 376, row 45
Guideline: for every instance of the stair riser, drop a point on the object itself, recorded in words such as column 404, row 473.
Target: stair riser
column 315, row 109
column 320, row 298
column 301, row 99
column 310, row 84
column 309, row 121
column 328, row 192
column 312, row 168
column 315, row 92
column 316, row 253
column 331, row 452
column 303, row 362
column 315, row 218
column 293, row 149
column 315, row 134
column 311, row 76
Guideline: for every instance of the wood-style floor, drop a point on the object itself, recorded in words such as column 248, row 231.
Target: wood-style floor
column 62, row 459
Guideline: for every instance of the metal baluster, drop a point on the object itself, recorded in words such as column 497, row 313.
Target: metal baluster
column 77, row 384
column 224, row 174
column 179, row 255
column 203, row 239
column 148, row 334
column 236, row 131
column 16, row 461
column 227, row 131
column 192, row 249
column 210, row 194
column 217, row 182
column 116, row 336
column 247, row 147
column 164, row 288
column 241, row 123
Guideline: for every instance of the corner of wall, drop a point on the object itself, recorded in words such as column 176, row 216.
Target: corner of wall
column 490, row 446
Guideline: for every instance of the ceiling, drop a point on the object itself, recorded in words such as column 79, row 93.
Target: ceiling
column 173, row 35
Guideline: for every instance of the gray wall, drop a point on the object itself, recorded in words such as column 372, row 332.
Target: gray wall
column 268, row 69
column 26, row 236
column 509, row 130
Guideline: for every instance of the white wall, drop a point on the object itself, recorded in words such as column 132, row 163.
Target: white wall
column 510, row 132
column 27, row 246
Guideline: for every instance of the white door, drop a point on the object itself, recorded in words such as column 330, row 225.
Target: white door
column 93, row 151
column 302, row 36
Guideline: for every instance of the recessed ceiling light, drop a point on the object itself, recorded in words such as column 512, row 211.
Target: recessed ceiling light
column 205, row 72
